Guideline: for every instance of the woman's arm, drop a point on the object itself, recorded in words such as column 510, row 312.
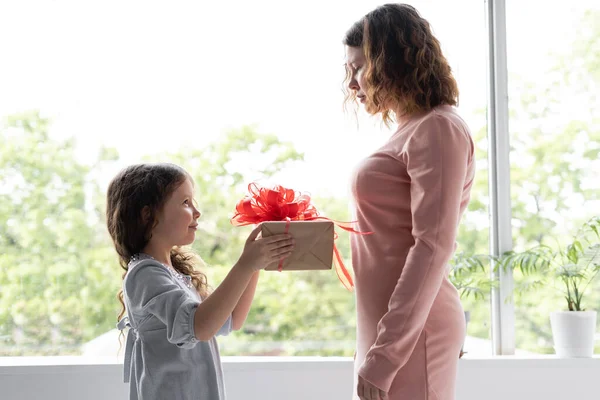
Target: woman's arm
column 437, row 159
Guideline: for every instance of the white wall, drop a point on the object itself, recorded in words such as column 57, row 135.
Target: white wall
column 271, row 378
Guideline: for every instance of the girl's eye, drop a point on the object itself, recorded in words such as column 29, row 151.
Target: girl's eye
column 186, row 202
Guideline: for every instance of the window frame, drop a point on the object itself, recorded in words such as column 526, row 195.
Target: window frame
column 502, row 312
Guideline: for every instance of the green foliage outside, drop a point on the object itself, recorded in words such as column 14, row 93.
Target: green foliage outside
column 59, row 274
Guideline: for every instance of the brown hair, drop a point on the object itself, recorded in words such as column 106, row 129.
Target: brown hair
column 133, row 189
column 405, row 64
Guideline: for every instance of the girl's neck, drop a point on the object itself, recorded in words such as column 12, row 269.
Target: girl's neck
column 159, row 253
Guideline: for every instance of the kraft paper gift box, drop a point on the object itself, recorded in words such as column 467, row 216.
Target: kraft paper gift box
column 313, row 248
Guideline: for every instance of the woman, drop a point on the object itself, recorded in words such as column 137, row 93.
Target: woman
column 411, row 193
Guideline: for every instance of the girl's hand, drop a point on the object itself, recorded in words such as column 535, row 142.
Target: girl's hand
column 258, row 253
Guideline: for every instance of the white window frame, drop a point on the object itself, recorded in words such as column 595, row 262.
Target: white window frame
column 502, row 310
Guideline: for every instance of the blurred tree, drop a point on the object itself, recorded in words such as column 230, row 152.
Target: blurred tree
column 56, row 287
column 59, row 274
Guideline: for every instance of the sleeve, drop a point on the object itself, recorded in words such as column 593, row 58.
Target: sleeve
column 226, row 328
column 150, row 289
column 437, row 157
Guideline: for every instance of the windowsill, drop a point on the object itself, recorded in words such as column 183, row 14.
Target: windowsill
column 522, row 377
column 539, row 360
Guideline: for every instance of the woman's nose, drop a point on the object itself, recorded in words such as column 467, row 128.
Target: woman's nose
column 353, row 84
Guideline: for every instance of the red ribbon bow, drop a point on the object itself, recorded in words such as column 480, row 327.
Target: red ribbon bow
column 282, row 204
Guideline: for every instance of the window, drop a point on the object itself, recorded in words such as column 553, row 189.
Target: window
column 233, row 99
column 553, row 53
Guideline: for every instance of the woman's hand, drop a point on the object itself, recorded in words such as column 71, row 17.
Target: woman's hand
column 367, row 391
column 258, row 253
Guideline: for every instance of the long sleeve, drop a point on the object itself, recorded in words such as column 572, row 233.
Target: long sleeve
column 437, row 158
column 151, row 290
column 163, row 358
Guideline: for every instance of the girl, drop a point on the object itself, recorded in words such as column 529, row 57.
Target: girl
column 411, row 193
column 171, row 351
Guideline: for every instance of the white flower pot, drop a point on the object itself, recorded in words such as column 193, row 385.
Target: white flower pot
column 573, row 333
column 467, row 319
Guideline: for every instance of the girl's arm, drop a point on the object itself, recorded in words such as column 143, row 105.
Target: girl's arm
column 150, row 289
column 240, row 312
column 213, row 312
column 237, row 289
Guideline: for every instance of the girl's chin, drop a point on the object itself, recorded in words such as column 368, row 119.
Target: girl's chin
column 187, row 241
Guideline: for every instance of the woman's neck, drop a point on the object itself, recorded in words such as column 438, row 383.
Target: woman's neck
column 402, row 117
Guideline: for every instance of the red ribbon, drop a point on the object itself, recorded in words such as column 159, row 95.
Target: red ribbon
column 287, row 229
column 282, row 204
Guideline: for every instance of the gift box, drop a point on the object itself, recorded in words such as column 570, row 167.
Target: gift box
column 283, row 210
column 314, row 241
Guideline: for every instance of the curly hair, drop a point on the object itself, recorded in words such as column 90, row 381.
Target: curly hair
column 404, row 66
column 133, row 189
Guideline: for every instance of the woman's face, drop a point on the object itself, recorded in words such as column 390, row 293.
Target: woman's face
column 355, row 62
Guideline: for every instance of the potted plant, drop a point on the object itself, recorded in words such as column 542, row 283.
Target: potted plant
column 468, row 273
column 574, row 266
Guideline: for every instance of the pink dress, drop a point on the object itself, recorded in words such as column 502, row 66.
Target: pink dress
column 411, row 193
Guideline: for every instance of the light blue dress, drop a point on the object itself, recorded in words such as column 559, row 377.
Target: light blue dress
column 163, row 358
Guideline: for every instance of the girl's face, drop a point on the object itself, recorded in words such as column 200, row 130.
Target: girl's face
column 355, row 62
column 176, row 223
